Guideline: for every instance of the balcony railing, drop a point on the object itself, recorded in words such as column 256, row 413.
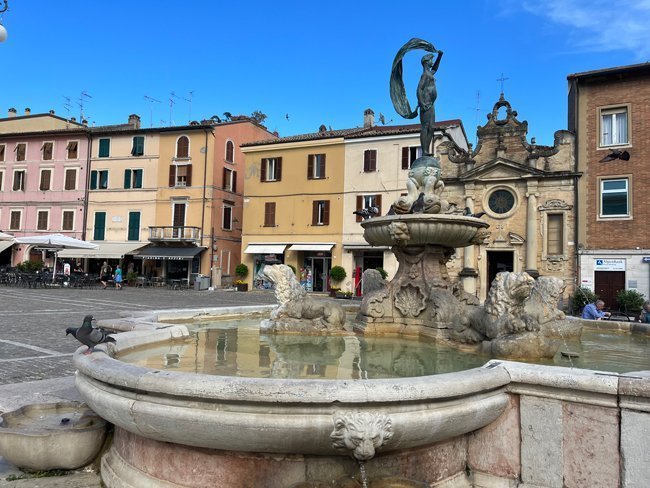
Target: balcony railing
column 175, row 233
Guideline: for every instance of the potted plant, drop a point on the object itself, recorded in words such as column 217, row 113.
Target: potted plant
column 241, row 271
column 337, row 274
column 131, row 278
column 334, row 290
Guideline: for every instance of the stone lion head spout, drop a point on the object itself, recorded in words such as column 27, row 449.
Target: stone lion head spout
column 361, row 433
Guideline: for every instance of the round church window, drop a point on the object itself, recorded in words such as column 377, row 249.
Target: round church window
column 501, row 201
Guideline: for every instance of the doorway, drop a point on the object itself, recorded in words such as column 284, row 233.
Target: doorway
column 320, row 268
column 498, row 261
column 607, row 284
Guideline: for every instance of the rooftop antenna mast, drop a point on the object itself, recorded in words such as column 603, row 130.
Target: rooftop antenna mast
column 80, row 101
column 67, row 106
column 151, row 101
column 171, row 106
column 189, row 100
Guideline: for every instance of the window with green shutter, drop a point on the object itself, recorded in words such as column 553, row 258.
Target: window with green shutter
column 93, row 180
column 138, row 146
column 134, row 226
column 104, row 148
column 127, row 178
column 137, row 178
column 100, row 226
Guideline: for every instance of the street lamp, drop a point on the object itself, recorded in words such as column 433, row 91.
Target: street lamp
column 3, row 31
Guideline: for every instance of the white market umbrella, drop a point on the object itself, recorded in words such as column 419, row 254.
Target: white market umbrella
column 56, row 242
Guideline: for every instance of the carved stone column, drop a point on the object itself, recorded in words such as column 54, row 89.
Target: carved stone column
column 531, row 232
column 468, row 274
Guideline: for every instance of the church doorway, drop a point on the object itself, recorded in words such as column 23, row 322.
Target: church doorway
column 498, row 261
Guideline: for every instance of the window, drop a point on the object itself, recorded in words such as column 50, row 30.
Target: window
column 269, row 214
column 410, row 154
column 367, row 201
column 271, row 169
column 370, row 160
column 99, row 179
column 68, row 220
column 614, row 198
column 316, row 166
column 180, row 175
column 183, row 147
column 70, row 179
column 21, row 150
column 46, row 178
column 14, row 219
column 133, row 178
column 613, row 127
column 230, row 152
column 229, row 180
column 501, row 201
column 227, row 215
column 42, row 220
column 104, row 148
column 72, row 150
column 134, row 226
column 100, row 226
column 321, row 212
column 555, row 235
column 47, row 149
column 138, row 146
column 2, row 151
column 19, row 180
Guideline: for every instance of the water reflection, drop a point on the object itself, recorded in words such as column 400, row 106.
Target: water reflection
column 236, row 348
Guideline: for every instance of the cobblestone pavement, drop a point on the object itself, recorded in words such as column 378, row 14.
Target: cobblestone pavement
column 33, row 344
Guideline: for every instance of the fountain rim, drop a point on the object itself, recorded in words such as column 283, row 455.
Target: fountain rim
column 437, row 218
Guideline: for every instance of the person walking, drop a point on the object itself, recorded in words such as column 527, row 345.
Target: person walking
column 594, row 311
column 105, row 274
column 118, row 277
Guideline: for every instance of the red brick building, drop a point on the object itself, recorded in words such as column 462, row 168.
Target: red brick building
column 609, row 111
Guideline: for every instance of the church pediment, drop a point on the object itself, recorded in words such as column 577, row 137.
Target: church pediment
column 500, row 169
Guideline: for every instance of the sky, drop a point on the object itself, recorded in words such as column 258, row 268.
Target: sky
column 305, row 63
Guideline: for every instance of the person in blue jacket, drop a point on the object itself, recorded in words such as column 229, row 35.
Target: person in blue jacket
column 594, row 311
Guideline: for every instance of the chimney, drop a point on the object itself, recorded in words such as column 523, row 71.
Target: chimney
column 134, row 120
column 84, row 122
column 12, row 112
column 73, row 119
column 28, row 111
column 51, row 112
column 368, row 118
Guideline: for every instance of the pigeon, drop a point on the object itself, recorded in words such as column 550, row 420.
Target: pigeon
column 468, row 213
column 418, row 205
column 367, row 213
column 88, row 335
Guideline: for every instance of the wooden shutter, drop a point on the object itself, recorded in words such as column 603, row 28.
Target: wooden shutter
column 93, row 180
column 45, row 180
column 314, row 213
column 137, row 173
column 263, row 170
column 20, row 152
column 127, row 178
column 310, row 167
column 104, row 148
column 234, row 181
column 1, row 176
column 183, row 147
column 47, row 151
column 278, row 172
column 15, row 220
column 372, row 160
column 405, row 158
column 100, row 224
column 2, row 152
column 68, row 218
column 269, row 214
column 366, row 162
column 189, row 175
column 225, row 179
column 70, row 179
column 321, row 163
column 41, row 223
column 378, row 204
column 326, row 213
column 72, row 149
column 134, row 226
column 230, row 150
column 172, row 176
column 359, row 207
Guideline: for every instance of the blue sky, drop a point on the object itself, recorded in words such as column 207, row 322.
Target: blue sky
column 319, row 62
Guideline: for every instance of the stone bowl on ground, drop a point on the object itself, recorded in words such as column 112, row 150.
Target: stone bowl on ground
column 63, row 435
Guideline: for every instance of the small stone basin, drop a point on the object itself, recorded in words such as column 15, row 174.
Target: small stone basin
column 64, row 435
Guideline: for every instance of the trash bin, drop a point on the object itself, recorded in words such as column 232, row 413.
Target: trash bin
column 201, row 283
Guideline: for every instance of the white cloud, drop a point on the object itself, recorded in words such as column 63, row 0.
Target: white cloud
column 599, row 25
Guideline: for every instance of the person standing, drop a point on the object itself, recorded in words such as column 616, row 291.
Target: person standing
column 594, row 311
column 105, row 274
column 118, row 277
column 645, row 313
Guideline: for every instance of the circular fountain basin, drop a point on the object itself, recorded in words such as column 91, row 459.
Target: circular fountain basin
column 64, row 435
column 422, row 229
column 267, row 415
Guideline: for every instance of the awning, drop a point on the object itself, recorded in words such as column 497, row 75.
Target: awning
column 314, row 246
column 5, row 244
column 265, row 248
column 105, row 250
column 174, row 253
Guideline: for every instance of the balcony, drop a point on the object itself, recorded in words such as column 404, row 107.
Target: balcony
column 175, row 234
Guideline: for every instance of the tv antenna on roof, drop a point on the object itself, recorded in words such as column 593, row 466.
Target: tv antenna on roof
column 151, row 101
column 67, row 106
column 189, row 100
column 80, row 101
column 171, row 106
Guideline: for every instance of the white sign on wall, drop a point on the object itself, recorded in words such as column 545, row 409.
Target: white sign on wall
column 587, row 283
column 609, row 265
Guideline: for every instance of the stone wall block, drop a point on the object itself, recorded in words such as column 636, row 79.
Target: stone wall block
column 635, row 453
column 590, row 446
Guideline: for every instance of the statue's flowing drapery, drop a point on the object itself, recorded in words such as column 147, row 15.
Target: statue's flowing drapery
column 397, row 92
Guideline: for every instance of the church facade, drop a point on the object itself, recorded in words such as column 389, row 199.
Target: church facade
column 525, row 191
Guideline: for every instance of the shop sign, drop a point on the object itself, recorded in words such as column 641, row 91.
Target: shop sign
column 609, row 265
column 646, row 259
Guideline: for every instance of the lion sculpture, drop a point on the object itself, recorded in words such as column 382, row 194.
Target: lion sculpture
column 298, row 312
column 361, row 433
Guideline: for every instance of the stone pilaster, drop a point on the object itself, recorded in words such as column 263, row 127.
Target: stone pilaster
column 469, row 274
column 531, row 232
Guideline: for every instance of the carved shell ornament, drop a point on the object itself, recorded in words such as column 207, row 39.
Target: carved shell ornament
column 410, row 301
column 361, row 433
